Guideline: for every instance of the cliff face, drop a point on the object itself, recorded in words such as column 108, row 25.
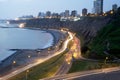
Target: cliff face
column 87, row 27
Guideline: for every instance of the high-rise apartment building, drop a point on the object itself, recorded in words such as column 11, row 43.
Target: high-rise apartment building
column 114, row 7
column 98, row 6
column 84, row 12
column 48, row 14
column 74, row 13
column 62, row 14
column 55, row 15
column 67, row 13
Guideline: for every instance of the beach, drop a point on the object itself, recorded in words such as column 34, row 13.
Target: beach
column 23, row 57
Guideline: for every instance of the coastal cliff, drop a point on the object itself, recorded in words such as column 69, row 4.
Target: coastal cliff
column 87, row 27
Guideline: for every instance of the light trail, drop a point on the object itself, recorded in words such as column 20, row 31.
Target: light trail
column 64, row 47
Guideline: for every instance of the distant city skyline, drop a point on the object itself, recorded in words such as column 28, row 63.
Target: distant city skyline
column 11, row 9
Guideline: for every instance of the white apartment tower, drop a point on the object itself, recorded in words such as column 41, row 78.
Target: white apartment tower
column 98, row 6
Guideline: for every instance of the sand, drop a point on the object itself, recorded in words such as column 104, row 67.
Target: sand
column 24, row 57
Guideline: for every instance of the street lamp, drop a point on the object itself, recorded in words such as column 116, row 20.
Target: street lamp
column 27, row 71
column 111, row 12
column 29, row 56
column 38, row 53
column 48, row 49
column 56, row 46
column 14, row 62
column 48, row 52
column 106, row 59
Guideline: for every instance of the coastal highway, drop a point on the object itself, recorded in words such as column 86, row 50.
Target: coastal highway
column 73, row 52
column 64, row 47
column 111, row 74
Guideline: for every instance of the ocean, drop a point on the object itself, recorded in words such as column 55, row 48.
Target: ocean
column 21, row 38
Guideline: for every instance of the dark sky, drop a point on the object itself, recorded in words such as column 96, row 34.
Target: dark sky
column 16, row 8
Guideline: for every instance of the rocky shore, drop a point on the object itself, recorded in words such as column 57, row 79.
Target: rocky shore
column 25, row 56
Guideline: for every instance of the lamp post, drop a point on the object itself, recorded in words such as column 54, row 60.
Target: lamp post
column 13, row 63
column 48, row 53
column 38, row 54
column 29, row 56
column 106, row 60
column 27, row 71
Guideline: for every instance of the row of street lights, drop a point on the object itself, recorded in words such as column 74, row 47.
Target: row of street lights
column 27, row 71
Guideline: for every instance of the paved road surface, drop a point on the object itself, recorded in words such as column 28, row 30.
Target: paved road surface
column 99, row 74
column 115, row 75
column 40, row 61
column 73, row 52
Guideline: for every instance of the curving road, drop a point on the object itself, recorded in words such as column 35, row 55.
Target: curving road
column 64, row 47
column 100, row 74
column 86, row 75
column 73, row 52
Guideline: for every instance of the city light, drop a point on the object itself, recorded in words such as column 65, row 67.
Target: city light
column 17, row 19
column 111, row 12
column 75, row 55
column 8, row 22
column 14, row 62
column 29, row 56
column 74, row 41
column 22, row 25
column 62, row 30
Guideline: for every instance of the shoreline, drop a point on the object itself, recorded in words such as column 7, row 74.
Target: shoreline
column 55, row 40
column 22, row 56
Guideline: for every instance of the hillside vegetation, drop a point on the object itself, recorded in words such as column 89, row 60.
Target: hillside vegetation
column 107, row 41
